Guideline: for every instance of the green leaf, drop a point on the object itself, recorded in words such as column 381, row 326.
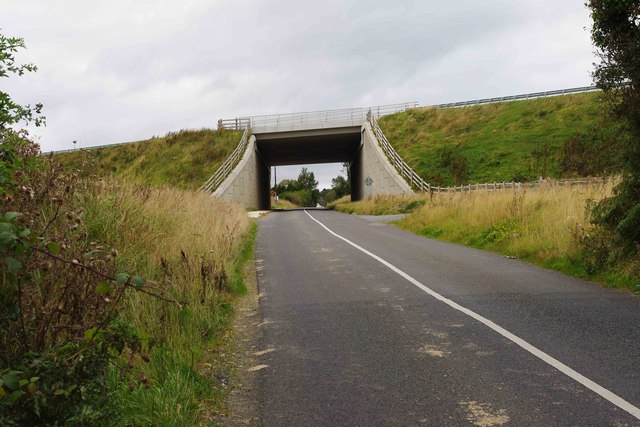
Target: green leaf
column 53, row 247
column 121, row 278
column 15, row 396
column 11, row 380
column 13, row 264
column 34, row 379
column 7, row 237
column 21, row 249
column 103, row 288
column 10, row 216
column 59, row 392
column 90, row 254
column 23, row 383
column 138, row 282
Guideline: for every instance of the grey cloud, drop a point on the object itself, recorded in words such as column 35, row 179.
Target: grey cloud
column 116, row 70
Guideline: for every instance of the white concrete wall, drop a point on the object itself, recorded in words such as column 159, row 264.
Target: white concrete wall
column 378, row 174
column 242, row 185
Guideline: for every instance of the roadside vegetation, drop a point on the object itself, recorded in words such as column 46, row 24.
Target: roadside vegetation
column 284, row 204
column 557, row 137
column 183, row 159
column 113, row 296
column 381, row 204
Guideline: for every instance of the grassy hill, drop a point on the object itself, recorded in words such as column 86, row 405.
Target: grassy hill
column 557, row 137
column 184, row 159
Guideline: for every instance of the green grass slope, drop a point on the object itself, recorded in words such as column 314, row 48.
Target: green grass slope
column 557, row 137
column 184, row 159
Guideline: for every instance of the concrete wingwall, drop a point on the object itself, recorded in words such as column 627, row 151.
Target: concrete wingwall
column 248, row 183
column 373, row 172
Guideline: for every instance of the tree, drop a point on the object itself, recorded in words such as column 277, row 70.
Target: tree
column 307, row 180
column 616, row 35
column 11, row 112
column 287, row 185
column 341, row 186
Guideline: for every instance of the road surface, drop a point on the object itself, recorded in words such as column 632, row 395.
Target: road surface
column 364, row 324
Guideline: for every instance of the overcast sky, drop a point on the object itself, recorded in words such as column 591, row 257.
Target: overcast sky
column 113, row 71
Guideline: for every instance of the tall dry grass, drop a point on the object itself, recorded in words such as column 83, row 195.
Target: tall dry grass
column 191, row 245
column 380, row 204
column 541, row 224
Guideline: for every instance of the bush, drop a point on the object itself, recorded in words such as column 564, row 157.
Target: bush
column 59, row 295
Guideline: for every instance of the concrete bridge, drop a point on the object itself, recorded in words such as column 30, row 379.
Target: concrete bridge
column 346, row 136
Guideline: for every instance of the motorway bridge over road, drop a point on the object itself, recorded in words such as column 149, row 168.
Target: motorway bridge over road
column 347, row 136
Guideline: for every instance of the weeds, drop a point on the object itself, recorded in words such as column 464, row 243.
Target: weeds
column 83, row 342
column 380, row 204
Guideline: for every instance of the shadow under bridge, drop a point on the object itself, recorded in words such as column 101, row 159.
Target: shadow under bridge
column 300, row 147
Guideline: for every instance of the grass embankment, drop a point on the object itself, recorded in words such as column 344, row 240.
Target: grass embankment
column 379, row 205
column 195, row 246
column 556, row 137
column 547, row 226
column 184, row 159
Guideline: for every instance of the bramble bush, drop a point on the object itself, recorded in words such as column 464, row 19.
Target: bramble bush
column 59, row 296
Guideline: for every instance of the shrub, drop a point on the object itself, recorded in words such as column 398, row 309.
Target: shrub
column 59, row 296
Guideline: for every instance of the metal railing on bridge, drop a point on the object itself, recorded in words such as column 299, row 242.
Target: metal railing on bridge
column 311, row 119
column 289, row 122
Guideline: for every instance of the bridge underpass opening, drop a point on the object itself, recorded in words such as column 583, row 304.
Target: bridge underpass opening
column 337, row 145
column 324, row 174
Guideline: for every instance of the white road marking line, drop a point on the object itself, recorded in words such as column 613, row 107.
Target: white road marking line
column 591, row 385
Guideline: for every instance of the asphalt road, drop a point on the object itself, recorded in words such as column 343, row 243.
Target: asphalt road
column 428, row 333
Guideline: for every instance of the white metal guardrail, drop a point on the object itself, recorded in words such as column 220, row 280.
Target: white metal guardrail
column 229, row 164
column 533, row 95
column 312, row 119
